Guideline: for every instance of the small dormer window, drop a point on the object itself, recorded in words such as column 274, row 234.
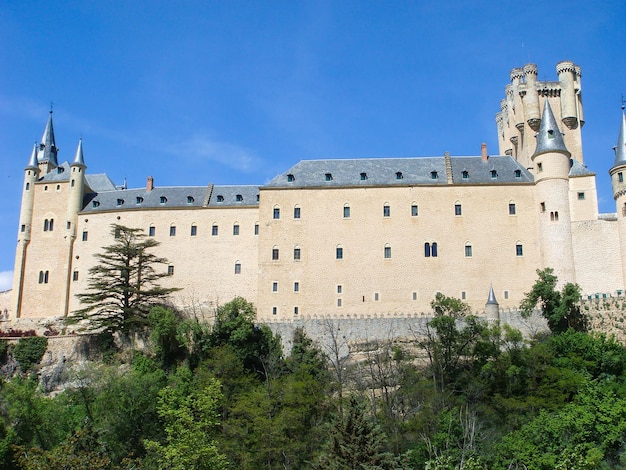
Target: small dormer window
column 220, row 198
column 163, row 199
column 239, row 198
column 363, row 176
column 190, row 199
column 95, row 204
column 120, row 202
column 399, row 175
column 60, row 170
column 329, row 176
column 518, row 173
column 494, row 174
column 139, row 200
column 465, row 174
column 290, row 178
column 550, row 134
column 433, row 175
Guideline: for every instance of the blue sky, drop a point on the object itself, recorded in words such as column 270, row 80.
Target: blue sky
column 235, row 92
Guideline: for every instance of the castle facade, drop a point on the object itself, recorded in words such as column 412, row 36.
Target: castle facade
column 348, row 238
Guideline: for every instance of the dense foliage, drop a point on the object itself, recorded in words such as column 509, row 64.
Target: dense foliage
column 465, row 394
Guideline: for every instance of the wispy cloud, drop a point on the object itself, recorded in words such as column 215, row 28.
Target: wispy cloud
column 199, row 149
column 6, row 280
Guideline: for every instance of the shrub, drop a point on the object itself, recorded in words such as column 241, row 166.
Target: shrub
column 29, row 351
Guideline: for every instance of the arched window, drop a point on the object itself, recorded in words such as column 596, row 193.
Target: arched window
column 214, row 230
column 433, row 249
column 40, row 277
column 427, row 250
column 519, row 249
column 468, row 250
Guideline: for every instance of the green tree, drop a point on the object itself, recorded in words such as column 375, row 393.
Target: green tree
column 29, row 351
column 164, row 336
column 560, row 309
column 124, row 284
column 191, row 423
column 356, row 443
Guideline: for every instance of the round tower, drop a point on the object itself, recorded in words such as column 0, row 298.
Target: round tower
column 531, row 100
column 551, row 167
column 74, row 205
column 567, row 79
column 618, row 182
column 516, row 78
column 31, row 174
column 492, row 308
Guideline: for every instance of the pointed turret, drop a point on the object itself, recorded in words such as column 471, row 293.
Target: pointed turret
column 620, row 148
column 549, row 137
column 78, row 158
column 492, row 308
column 47, row 154
column 32, row 162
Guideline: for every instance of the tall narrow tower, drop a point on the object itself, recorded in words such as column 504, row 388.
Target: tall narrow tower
column 552, row 165
column 74, row 205
column 31, row 173
column 618, row 178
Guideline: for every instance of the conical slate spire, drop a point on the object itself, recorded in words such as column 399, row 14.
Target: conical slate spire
column 78, row 159
column 47, row 148
column 549, row 138
column 492, row 297
column 32, row 162
column 620, row 148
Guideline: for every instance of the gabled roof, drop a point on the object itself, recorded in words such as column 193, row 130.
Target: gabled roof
column 171, row 197
column 399, row 172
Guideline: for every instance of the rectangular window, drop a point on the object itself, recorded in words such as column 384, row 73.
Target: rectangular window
column 346, row 212
column 295, row 310
column 194, row 230
column 296, row 254
column 458, row 210
column 506, row 294
column 414, row 210
column 75, row 276
column 512, row 208
column 173, row 231
column 274, row 310
column 214, row 230
column 23, row 228
column 387, row 252
column 519, row 250
column 170, row 270
column 296, row 212
column 339, row 289
column 386, row 211
column 276, row 213
column 237, row 268
column 68, row 225
column 463, row 295
column 256, row 229
column 274, row 286
column 338, row 302
column 542, row 206
column 376, row 296
column 581, row 196
column 414, row 295
column 468, row 251
column 235, row 229
column 296, row 286
column 151, row 231
column 339, row 253
column 620, row 177
column 85, row 235
column 275, row 254
column 540, row 167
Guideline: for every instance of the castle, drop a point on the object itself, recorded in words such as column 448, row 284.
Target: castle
column 348, row 238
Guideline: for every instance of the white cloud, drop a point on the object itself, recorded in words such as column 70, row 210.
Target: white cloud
column 6, row 280
column 200, row 148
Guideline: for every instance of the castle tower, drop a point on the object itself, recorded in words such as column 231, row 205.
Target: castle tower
column 618, row 177
column 552, row 165
column 31, row 173
column 47, row 154
column 569, row 106
column 492, row 307
column 74, row 205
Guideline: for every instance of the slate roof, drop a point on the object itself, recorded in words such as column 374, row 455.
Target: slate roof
column 60, row 173
column 578, row 169
column 170, row 197
column 399, row 172
column 480, row 172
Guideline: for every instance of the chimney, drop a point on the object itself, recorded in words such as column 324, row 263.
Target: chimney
column 150, row 183
column 483, row 152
